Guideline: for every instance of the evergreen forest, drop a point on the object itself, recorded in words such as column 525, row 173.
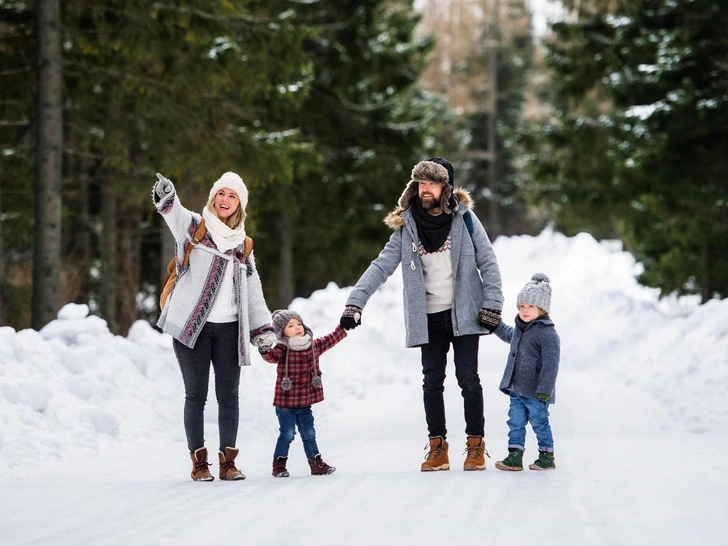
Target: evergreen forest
column 614, row 122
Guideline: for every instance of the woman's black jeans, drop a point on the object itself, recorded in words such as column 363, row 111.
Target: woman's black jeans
column 217, row 343
column 434, row 362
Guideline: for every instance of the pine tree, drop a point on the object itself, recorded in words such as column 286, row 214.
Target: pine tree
column 367, row 120
column 640, row 146
column 174, row 88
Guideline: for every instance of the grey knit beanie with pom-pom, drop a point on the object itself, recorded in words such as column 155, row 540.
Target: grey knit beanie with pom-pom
column 281, row 318
column 536, row 292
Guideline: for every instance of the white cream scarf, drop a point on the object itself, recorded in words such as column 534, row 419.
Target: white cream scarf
column 223, row 237
column 300, row 343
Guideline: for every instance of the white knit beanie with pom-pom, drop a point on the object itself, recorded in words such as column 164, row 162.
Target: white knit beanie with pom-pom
column 536, row 292
column 231, row 181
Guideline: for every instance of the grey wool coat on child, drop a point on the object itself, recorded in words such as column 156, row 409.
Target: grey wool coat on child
column 533, row 359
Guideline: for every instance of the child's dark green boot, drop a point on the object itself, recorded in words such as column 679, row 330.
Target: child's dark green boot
column 512, row 463
column 545, row 461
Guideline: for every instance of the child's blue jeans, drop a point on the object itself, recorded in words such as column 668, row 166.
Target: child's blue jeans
column 289, row 419
column 529, row 410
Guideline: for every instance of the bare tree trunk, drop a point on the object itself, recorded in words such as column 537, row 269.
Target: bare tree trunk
column 109, row 265
column 129, row 251
column 706, row 284
column 77, row 238
column 167, row 253
column 3, row 312
column 47, row 233
column 494, row 227
column 285, row 279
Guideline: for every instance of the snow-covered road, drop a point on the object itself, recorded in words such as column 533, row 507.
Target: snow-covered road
column 92, row 444
column 625, row 476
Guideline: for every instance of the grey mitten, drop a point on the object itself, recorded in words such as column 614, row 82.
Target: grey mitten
column 264, row 341
column 163, row 187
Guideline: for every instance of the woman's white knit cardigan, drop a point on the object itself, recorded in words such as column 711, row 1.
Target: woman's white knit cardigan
column 189, row 304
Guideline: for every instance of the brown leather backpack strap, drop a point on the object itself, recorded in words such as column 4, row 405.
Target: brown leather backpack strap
column 199, row 234
column 248, row 246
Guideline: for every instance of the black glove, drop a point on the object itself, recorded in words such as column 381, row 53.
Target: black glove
column 163, row 187
column 350, row 318
column 490, row 319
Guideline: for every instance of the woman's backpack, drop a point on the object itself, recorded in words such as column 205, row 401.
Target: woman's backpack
column 172, row 267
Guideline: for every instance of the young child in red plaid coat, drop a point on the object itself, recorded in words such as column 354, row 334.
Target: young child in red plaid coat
column 298, row 386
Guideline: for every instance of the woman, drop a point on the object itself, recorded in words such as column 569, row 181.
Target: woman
column 216, row 306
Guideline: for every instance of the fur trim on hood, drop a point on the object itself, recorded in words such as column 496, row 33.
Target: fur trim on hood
column 394, row 220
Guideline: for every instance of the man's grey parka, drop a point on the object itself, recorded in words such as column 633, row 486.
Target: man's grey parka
column 475, row 273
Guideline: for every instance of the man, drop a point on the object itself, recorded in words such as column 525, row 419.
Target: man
column 452, row 295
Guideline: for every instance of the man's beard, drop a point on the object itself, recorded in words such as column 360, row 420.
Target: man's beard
column 429, row 203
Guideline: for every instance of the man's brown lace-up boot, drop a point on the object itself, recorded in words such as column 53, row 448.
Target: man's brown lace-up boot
column 200, row 470
column 228, row 471
column 436, row 458
column 476, row 452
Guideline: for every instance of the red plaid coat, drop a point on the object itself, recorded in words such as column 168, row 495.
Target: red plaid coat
column 301, row 367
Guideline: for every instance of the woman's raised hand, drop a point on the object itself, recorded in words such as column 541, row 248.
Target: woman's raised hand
column 162, row 187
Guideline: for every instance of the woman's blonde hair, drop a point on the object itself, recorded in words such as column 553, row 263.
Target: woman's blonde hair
column 234, row 220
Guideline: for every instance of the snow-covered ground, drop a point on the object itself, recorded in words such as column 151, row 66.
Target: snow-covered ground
column 92, row 446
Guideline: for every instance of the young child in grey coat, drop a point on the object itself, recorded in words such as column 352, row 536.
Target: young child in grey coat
column 530, row 375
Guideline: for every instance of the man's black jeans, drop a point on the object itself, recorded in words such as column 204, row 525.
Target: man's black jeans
column 434, row 362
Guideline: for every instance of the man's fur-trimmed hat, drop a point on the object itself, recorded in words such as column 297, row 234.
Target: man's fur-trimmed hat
column 438, row 171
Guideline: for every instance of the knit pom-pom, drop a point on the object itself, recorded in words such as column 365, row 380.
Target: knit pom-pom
column 540, row 277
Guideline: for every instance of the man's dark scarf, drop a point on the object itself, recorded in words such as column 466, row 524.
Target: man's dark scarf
column 432, row 230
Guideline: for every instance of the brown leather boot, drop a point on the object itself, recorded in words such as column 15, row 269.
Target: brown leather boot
column 228, row 471
column 476, row 452
column 200, row 471
column 436, row 458
column 279, row 467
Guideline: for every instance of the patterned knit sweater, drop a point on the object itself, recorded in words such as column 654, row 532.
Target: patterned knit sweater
column 189, row 304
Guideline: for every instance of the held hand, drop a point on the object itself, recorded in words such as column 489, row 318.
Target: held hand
column 162, row 187
column 543, row 397
column 350, row 318
column 490, row 319
column 264, row 341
